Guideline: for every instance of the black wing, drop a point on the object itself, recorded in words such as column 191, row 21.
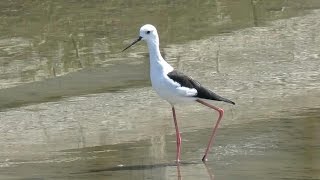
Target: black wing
column 203, row 92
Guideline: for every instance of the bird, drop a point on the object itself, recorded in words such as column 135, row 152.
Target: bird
column 176, row 87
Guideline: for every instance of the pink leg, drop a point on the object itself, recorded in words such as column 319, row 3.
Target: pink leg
column 177, row 134
column 215, row 127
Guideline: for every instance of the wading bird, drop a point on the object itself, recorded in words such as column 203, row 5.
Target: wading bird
column 174, row 86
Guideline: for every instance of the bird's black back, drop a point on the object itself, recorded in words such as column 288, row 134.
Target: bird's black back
column 188, row 82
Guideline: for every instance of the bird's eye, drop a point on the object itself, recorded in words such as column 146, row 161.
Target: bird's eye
column 148, row 32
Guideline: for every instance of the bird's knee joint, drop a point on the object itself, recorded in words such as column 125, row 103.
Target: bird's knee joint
column 179, row 140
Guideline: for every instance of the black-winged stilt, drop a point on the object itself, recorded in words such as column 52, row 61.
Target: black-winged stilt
column 174, row 86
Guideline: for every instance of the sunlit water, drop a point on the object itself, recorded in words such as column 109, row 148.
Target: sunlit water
column 74, row 107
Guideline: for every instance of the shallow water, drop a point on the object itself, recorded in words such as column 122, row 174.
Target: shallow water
column 269, row 149
column 74, row 107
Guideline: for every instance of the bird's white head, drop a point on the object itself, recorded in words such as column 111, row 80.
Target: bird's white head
column 147, row 33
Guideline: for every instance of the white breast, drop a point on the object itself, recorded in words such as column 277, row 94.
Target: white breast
column 166, row 88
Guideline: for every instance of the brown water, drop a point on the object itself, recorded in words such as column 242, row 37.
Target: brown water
column 74, row 107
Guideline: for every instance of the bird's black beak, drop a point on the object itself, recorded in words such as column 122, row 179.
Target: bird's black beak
column 132, row 43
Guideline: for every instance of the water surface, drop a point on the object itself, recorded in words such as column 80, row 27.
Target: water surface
column 74, row 107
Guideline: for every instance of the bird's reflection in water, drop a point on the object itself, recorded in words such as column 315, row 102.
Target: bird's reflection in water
column 208, row 170
column 178, row 171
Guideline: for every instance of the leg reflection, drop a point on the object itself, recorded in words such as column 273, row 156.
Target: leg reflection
column 178, row 171
column 209, row 171
column 207, row 168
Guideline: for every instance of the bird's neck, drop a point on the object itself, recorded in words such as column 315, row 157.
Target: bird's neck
column 157, row 63
column 154, row 50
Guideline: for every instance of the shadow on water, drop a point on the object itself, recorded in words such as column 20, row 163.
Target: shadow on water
column 92, row 80
column 152, row 166
column 138, row 167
